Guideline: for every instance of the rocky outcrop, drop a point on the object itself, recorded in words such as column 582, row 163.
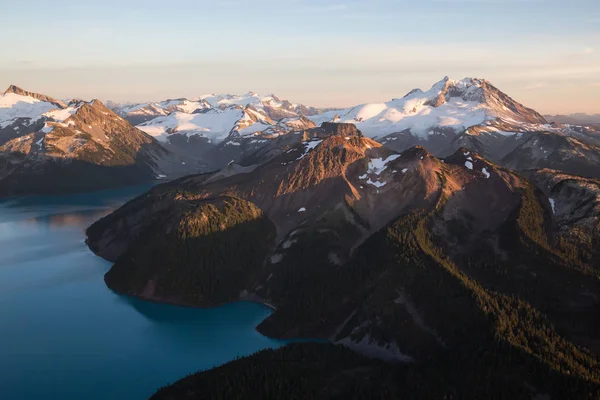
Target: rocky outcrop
column 328, row 129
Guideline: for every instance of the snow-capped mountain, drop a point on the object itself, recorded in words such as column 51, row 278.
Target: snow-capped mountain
column 215, row 130
column 214, row 125
column 270, row 106
column 450, row 107
column 47, row 146
column 218, row 128
column 474, row 114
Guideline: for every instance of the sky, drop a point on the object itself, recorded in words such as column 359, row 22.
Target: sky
column 543, row 53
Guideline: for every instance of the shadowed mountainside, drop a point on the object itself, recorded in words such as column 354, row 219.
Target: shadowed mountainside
column 402, row 257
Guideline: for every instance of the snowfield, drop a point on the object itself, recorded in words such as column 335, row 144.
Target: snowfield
column 214, row 126
column 14, row 106
column 414, row 112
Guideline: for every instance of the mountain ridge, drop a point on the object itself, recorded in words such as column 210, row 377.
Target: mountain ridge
column 51, row 147
column 19, row 91
column 399, row 256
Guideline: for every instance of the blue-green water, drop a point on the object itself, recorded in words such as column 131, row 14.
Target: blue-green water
column 64, row 334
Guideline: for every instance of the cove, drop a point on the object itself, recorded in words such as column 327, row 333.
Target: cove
column 64, row 334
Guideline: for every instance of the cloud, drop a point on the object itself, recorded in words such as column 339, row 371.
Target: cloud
column 588, row 50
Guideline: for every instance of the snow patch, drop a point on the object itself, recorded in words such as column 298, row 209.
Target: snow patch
column 215, row 126
column 469, row 164
column 276, row 258
column 377, row 184
column 13, row 106
column 368, row 347
column 309, row 146
column 288, row 243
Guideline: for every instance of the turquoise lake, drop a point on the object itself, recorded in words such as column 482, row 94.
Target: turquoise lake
column 64, row 334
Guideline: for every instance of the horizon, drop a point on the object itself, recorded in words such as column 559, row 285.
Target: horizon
column 193, row 98
column 309, row 52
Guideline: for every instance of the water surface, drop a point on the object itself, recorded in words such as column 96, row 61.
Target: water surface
column 64, row 334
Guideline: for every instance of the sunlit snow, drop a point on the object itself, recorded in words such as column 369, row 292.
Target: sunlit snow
column 309, row 146
column 411, row 113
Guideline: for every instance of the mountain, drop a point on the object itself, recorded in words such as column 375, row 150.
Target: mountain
column 470, row 113
column 271, row 105
column 198, row 126
column 449, row 107
column 547, row 150
column 423, row 263
column 49, row 147
column 575, row 119
column 474, row 114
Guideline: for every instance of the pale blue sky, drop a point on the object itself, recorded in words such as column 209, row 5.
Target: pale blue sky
column 544, row 53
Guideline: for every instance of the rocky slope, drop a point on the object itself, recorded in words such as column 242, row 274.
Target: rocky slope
column 575, row 203
column 403, row 257
column 49, row 147
column 547, row 150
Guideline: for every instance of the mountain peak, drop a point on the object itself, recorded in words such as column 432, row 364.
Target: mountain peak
column 14, row 89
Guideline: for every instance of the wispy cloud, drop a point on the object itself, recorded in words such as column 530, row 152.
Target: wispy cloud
column 588, row 50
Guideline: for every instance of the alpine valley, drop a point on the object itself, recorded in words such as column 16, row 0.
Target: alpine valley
column 445, row 244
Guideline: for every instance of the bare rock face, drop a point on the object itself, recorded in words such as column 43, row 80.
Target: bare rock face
column 328, row 129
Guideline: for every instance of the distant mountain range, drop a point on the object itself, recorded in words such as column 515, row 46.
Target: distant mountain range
column 207, row 127
column 469, row 113
column 575, row 119
column 180, row 136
